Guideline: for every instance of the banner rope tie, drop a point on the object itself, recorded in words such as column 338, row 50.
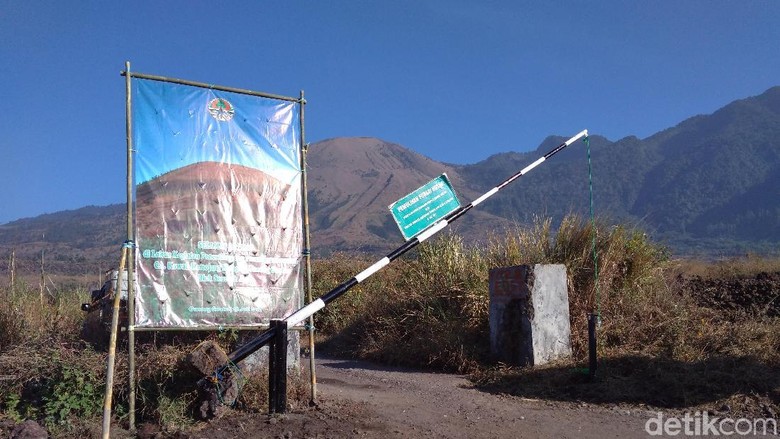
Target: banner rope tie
column 235, row 371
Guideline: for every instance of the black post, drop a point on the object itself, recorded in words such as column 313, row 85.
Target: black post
column 277, row 368
column 592, row 359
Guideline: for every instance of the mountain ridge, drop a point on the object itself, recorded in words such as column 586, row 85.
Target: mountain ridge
column 709, row 185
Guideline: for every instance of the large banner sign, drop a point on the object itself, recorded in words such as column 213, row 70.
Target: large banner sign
column 218, row 206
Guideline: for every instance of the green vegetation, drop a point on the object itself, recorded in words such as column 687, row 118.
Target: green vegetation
column 47, row 374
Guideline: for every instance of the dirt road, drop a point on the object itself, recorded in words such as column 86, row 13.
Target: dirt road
column 417, row 404
column 362, row 400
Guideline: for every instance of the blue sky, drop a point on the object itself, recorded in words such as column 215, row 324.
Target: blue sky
column 455, row 80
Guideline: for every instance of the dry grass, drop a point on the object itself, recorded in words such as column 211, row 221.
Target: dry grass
column 432, row 309
column 656, row 344
column 49, row 374
column 26, row 318
column 746, row 266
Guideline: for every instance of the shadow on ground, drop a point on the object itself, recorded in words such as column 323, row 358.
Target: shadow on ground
column 656, row 382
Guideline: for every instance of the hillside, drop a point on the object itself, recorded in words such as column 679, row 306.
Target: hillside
column 352, row 181
column 709, row 186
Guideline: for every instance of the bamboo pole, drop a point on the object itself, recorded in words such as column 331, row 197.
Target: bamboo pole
column 307, row 254
column 131, row 256
column 43, row 274
column 112, row 347
column 12, row 268
column 209, row 86
column 257, row 327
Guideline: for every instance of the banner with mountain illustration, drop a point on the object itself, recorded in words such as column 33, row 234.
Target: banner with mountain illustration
column 217, row 206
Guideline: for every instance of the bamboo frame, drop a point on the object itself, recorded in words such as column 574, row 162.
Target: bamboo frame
column 131, row 258
column 258, row 327
column 108, row 397
column 307, row 255
column 210, row 86
column 131, row 328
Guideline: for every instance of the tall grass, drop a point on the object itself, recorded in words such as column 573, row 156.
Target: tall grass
column 432, row 309
column 657, row 346
column 28, row 318
column 49, row 374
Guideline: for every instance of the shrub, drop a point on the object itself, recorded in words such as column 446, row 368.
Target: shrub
column 432, row 309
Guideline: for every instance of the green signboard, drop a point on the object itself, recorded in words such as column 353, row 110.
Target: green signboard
column 423, row 207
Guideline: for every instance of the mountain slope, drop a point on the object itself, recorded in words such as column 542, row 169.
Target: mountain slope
column 714, row 161
column 711, row 180
column 710, row 185
column 353, row 181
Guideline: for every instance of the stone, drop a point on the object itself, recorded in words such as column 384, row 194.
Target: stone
column 207, row 357
column 29, row 430
column 529, row 314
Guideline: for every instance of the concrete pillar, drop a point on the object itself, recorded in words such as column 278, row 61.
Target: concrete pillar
column 529, row 314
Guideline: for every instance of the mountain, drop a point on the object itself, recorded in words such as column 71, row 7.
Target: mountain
column 85, row 240
column 352, row 181
column 709, row 186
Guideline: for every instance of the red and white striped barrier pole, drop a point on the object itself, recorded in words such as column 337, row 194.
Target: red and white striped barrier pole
column 308, row 310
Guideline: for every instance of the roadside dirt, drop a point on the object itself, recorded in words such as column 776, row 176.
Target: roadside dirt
column 757, row 295
column 363, row 400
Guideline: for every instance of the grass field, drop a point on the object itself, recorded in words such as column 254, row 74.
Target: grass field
column 674, row 334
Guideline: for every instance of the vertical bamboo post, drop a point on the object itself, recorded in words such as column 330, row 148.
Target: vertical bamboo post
column 112, row 347
column 592, row 356
column 43, row 275
column 307, row 253
column 131, row 257
column 12, row 268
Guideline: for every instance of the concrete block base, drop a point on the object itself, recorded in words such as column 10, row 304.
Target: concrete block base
column 529, row 314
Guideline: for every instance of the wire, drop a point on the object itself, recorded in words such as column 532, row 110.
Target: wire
column 239, row 379
column 593, row 233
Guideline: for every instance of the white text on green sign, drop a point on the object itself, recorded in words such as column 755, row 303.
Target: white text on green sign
column 423, row 207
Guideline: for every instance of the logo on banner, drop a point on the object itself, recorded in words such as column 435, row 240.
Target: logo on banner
column 221, row 109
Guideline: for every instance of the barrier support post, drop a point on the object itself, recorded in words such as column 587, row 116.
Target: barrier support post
column 592, row 358
column 277, row 368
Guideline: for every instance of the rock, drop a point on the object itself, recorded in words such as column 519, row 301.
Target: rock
column 29, row 430
column 217, row 394
column 207, row 357
column 148, row 431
